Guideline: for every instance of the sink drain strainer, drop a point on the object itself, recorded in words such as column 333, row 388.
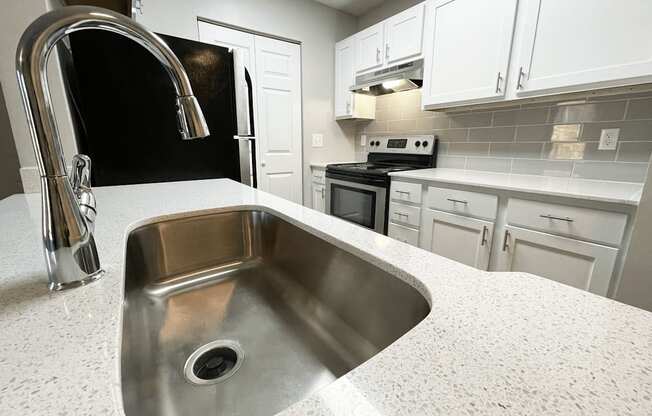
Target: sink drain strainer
column 213, row 362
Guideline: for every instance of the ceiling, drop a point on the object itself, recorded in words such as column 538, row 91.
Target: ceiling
column 354, row 7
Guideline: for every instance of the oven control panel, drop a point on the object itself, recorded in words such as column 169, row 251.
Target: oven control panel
column 415, row 145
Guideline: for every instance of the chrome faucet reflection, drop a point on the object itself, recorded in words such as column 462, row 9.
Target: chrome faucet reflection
column 68, row 204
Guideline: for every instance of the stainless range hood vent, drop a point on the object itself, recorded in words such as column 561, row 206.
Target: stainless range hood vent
column 397, row 78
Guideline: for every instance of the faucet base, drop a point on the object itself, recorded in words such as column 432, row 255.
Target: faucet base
column 55, row 287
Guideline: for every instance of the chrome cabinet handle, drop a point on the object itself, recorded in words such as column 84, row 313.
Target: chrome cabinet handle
column 402, row 192
column 323, row 193
column 348, row 106
column 401, row 215
column 459, row 201
column 485, row 229
column 387, row 51
column 498, row 79
column 505, row 240
column 552, row 217
column 519, row 82
column 377, row 54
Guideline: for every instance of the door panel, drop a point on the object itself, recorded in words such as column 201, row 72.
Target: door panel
column 463, row 239
column 617, row 34
column 404, row 35
column 370, row 45
column 279, row 127
column 462, row 34
column 576, row 263
column 344, row 76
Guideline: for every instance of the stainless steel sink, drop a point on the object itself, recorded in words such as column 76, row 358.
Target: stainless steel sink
column 205, row 295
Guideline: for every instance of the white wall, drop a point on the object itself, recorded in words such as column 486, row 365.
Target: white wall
column 636, row 281
column 15, row 17
column 317, row 27
column 385, row 10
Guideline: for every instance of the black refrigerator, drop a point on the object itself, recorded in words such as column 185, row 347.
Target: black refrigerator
column 123, row 111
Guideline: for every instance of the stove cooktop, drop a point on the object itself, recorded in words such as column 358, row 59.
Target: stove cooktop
column 371, row 168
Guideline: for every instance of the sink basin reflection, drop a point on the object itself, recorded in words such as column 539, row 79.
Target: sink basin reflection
column 302, row 311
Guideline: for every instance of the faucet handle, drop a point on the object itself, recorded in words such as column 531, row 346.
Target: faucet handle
column 81, row 186
column 81, row 173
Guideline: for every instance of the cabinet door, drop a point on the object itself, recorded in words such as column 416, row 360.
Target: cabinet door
column 463, row 239
column 344, row 77
column 576, row 263
column 318, row 197
column 467, row 51
column 603, row 43
column 404, row 35
column 369, row 48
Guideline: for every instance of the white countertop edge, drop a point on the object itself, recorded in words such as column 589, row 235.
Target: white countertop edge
column 461, row 177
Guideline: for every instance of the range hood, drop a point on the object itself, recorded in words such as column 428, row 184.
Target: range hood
column 397, row 78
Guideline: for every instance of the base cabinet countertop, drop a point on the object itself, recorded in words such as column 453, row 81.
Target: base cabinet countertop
column 493, row 343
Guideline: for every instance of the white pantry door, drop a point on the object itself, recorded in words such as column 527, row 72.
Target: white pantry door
column 278, row 67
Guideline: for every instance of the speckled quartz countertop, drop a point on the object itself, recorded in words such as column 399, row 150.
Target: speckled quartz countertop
column 626, row 193
column 494, row 343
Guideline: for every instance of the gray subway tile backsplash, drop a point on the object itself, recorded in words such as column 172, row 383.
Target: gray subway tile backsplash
column 611, row 171
column 555, row 139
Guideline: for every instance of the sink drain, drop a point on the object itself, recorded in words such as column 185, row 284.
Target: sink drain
column 213, row 362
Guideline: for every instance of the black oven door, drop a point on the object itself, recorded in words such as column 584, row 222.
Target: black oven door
column 362, row 204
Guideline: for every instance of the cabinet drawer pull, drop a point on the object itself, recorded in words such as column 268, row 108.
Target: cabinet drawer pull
column 401, row 215
column 387, row 51
column 458, row 201
column 323, row 193
column 519, row 82
column 498, row 79
column 377, row 54
column 402, row 192
column 485, row 229
column 552, row 217
column 505, row 240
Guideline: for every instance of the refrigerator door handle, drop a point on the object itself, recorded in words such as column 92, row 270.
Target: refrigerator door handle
column 242, row 89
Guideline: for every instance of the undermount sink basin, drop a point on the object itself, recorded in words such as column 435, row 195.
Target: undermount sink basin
column 243, row 313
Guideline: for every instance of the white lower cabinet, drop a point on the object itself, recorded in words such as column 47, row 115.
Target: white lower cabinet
column 460, row 238
column 580, row 264
column 404, row 234
column 319, row 197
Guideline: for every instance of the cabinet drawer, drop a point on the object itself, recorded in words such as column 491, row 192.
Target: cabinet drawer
column 406, row 192
column 404, row 214
column 318, row 176
column 472, row 204
column 583, row 223
column 404, row 234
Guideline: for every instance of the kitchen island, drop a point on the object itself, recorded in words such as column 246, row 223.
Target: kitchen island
column 493, row 343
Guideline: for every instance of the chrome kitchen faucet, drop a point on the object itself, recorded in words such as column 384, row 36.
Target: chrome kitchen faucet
column 68, row 205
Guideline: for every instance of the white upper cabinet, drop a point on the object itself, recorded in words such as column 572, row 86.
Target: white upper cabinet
column 370, row 45
column 344, row 76
column 582, row 44
column 347, row 104
column 467, row 51
column 404, row 35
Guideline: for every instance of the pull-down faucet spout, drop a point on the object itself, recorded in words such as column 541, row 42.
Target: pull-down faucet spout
column 69, row 209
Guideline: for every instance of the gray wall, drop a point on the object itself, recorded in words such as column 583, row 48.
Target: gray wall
column 385, row 10
column 636, row 281
column 555, row 138
column 9, row 178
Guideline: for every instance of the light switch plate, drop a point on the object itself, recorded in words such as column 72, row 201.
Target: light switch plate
column 609, row 139
column 363, row 140
column 317, row 140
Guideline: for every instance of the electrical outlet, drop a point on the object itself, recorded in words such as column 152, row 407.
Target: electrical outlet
column 317, row 140
column 363, row 140
column 609, row 139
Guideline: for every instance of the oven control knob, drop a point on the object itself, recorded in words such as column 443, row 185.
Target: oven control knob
column 377, row 143
column 417, row 143
column 425, row 144
column 371, row 143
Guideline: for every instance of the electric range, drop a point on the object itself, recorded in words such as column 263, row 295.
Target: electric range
column 358, row 192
